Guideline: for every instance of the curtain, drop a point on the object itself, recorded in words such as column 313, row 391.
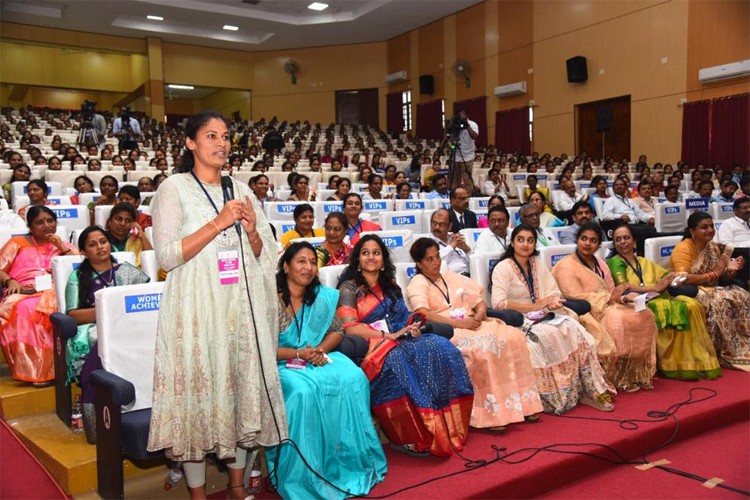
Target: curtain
column 476, row 110
column 430, row 120
column 512, row 131
column 394, row 113
column 729, row 137
column 695, row 132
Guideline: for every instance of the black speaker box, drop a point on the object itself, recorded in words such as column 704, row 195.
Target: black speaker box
column 577, row 71
column 426, row 84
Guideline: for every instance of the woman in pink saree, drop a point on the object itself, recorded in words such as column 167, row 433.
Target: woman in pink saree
column 28, row 297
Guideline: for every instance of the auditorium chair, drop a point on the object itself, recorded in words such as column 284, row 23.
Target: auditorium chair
column 551, row 255
column 721, row 211
column 65, row 328
column 398, row 242
column 321, row 209
column 329, row 275
column 126, row 319
column 670, row 217
column 659, row 250
column 407, row 219
column 472, row 235
column 480, row 267
column 314, row 241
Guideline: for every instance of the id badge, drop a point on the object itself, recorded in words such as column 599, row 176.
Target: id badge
column 43, row 282
column 296, row 364
column 459, row 313
column 229, row 267
column 380, row 325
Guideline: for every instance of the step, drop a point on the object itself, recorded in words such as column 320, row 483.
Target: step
column 18, row 399
column 67, row 456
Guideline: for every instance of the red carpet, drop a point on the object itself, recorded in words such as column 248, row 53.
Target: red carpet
column 707, row 433
column 21, row 475
column 705, row 456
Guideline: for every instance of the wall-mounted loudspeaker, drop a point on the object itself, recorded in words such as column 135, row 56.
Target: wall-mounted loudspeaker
column 426, row 84
column 577, row 71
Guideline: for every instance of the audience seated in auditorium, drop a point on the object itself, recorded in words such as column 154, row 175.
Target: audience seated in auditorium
column 546, row 219
column 374, row 188
column 108, row 187
column 683, row 347
column 131, row 194
column 530, row 214
column 413, row 376
column 312, row 378
column 334, row 251
column 708, row 266
column 342, row 186
column 599, row 183
column 21, row 173
column 626, row 338
column 582, row 214
column 505, row 389
column 454, row 248
column 304, row 218
column 461, row 216
column 29, row 298
column 301, row 189
column 736, row 231
column 125, row 233
column 563, row 355
column 494, row 239
column 440, row 188
column 97, row 271
column 37, row 191
column 644, row 200
column 355, row 224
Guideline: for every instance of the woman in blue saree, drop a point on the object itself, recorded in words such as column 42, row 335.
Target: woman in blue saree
column 327, row 396
column 420, row 389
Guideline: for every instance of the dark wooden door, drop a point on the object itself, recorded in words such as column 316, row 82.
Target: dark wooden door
column 357, row 107
column 603, row 128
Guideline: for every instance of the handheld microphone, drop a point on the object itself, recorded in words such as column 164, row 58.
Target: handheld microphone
column 533, row 336
column 228, row 189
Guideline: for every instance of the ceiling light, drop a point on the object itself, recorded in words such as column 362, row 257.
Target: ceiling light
column 229, row 27
column 180, row 87
column 155, row 18
column 317, row 6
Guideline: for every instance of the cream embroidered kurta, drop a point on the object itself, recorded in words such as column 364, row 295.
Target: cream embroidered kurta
column 208, row 389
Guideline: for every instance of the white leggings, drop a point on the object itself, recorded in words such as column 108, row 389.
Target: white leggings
column 195, row 472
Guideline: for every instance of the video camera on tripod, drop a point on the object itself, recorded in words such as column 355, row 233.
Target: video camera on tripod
column 87, row 135
column 454, row 126
column 125, row 116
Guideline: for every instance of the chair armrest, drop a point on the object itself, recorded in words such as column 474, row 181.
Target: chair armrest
column 65, row 325
column 122, row 391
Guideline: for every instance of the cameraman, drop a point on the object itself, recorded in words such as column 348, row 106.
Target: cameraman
column 461, row 173
column 93, row 127
column 126, row 129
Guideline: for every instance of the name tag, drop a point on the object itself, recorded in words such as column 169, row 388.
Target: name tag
column 296, row 364
column 229, row 267
column 43, row 282
column 380, row 325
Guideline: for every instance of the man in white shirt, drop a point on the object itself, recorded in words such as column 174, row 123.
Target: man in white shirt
column 621, row 207
column 496, row 185
column 126, row 129
column 737, row 229
column 494, row 239
column 453, row 247
column 569, row 196
column 461, row 175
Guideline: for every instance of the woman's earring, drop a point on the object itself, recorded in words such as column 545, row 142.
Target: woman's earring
column 382, row 268
column 359, row 268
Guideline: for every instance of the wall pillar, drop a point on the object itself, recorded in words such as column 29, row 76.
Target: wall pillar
column 155, row 86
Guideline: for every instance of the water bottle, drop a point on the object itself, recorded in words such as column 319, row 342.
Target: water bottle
column 255, row 482
column 174, row 476
column 76, row 416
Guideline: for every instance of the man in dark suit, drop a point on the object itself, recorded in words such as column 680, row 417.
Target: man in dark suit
column 461, row 216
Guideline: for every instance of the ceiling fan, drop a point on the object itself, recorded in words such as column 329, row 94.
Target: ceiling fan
column 292, row 67
column 462, row 69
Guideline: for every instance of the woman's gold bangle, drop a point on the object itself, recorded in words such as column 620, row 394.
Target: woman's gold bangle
column 215, row 227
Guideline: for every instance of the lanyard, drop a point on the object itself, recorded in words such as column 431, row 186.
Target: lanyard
column 597, row 269
column 206, row 192
column 637, row 269
column 528, row 278
column 112, row 277
column 501, row 241
column 299, row 323
column 626, row 202
column 446, row 294
column 355, row 229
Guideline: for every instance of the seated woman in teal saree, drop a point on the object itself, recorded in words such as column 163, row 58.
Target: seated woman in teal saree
column 327, row 396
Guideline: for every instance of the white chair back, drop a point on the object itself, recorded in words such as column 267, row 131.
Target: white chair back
column 721, row 211
column 323, row 208
column 73, row 217
column 86, row 198
column 553, row 254
column 281, row 210
column 472, row 235
column 670, row 217
column 149, row 265
column 316, row 241
column 554, row 232
column 398, row 242
column 126, row 319
column 412, row 220
column 478, row 203
column 402, row 205
column 329, row 275
column 6, row 233
column 480, row 268
column 605, row 248
column 376, row 207
column 659, row 250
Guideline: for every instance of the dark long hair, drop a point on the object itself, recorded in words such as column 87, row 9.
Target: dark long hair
column 194, row 123
column 85, row 270
column 509, row 250
column 386, row 278
column 282, row 286
column 693, row 222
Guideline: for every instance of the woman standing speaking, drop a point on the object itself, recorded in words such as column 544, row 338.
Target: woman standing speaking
column 216, row 384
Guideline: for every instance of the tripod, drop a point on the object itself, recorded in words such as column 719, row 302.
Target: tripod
column 87, row 136
column 456, row 174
